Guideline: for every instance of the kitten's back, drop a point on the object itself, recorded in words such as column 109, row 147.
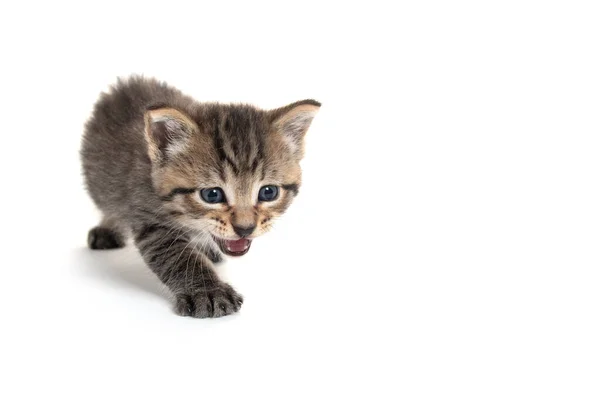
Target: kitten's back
column 114, row 158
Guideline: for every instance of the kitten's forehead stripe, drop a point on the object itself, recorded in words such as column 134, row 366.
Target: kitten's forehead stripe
column 238, row 135
column 217, row 139
column 254, row 166
column 233, row 165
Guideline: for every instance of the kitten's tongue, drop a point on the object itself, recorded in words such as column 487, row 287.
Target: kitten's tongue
column 237, row 246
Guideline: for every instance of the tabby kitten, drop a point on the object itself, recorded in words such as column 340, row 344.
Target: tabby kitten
column 189, row 182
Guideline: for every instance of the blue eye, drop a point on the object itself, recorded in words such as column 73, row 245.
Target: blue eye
column 212, row 195
column 268, row 193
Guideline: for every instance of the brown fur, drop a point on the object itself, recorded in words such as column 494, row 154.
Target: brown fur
column 147, row 153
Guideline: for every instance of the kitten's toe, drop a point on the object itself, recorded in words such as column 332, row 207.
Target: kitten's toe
column 222, row 306
column 226, row 302
column 236, row 300
column 184, row 305
column 101, row 238
column 203, row 306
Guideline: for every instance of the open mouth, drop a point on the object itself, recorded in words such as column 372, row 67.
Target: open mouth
column 234, row 247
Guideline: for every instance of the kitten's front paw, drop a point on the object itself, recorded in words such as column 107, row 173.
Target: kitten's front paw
column 102, row 238
column 210, row 303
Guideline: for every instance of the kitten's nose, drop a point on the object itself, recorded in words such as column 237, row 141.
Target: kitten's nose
column 243, row 231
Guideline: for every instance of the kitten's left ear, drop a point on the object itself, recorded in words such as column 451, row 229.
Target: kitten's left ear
column 293, row 121
column 167, row 132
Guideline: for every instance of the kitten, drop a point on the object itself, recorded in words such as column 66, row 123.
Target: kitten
column 190, row 182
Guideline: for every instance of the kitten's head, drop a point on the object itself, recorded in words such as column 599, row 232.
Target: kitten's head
column 227, row 169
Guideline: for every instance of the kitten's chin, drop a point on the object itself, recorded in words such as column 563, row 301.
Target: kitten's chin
column 234, row 247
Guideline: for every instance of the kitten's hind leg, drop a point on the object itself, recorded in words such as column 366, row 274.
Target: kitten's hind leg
column 107, row 235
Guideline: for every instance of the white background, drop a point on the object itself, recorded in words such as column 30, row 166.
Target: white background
column 441, row 258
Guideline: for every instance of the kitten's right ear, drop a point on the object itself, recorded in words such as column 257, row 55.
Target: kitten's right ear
column 167, row 132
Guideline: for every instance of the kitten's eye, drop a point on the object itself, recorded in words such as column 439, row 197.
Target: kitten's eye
column 212, row 195
column 268, row 193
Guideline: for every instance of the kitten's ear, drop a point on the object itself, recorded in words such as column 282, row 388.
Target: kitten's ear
column 292, row 122
column 167, row 132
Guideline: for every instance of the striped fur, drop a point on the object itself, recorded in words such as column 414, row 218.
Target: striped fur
column 147, row 151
